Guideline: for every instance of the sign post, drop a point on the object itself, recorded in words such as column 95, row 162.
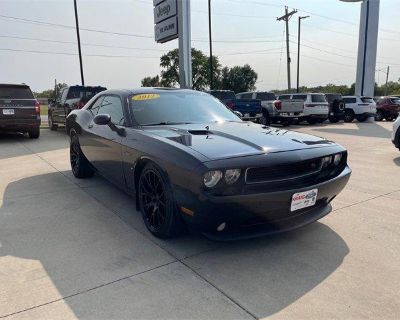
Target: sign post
column 172, row 20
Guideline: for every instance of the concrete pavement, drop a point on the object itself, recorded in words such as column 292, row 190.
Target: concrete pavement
column 77, row 249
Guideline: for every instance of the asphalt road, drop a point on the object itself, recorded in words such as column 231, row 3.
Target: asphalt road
column 77, row 249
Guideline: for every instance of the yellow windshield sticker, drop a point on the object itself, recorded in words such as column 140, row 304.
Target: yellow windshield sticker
column 146, row 96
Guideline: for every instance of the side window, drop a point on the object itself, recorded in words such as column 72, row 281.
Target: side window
column 349, row 100
column 64, row 94
column 284, row 97
column 94, row 108
column 112, row 105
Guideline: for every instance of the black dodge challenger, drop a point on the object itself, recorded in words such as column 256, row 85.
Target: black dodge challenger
column 190, row 161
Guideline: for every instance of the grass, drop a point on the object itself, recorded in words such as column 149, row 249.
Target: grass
column 43, row 109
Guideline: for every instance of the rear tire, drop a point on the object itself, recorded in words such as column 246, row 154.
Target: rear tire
column 348, row 116
column 265, row 119
column 379, row 115
column 311, row 121
column 79, row 164
column 52, row 126
column 34, row 133
column 362, row 118
column 157, row 203
column 333, row 119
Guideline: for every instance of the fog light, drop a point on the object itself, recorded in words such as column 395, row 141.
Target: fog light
column 337, row 158
column 221, row 227
column 211, row 178
column 232, row 175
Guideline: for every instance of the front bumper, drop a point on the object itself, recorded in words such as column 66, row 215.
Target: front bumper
column 16, row 125
column 252, row 215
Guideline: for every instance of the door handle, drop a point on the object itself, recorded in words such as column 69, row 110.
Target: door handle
column 91, row 126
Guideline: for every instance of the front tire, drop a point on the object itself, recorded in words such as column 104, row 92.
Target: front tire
column 362, row 118
column 379, row 115
column 157, row 203
column 34, row 133
column 348, row 116
column 79, row 164
column 333, row 119
column 265, row 119
column 311, row 121
column 52, row 126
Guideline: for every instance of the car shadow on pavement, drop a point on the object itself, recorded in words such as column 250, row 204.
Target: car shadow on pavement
column 73, row 240
column 18, row 144
column 362, row 129
column 397, row 161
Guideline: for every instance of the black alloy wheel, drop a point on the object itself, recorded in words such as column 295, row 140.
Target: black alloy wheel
column 79, row 164
column 348, row 116
column 157, row 204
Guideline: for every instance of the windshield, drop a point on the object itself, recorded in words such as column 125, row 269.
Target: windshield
column 15, row 92
column 178, row 107
column 223, row 95
column 395, row 100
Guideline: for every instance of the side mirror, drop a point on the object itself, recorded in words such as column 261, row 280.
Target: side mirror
column 102, row 119
column 239, row 114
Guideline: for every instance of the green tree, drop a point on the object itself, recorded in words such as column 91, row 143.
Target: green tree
column 169, row 63
column 151, row 81
column 50, row 93
column 238, row 79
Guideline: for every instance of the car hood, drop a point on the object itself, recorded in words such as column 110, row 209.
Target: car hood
column 236, row 139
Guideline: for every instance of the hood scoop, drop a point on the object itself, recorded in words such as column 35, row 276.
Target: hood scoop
column 185, row 136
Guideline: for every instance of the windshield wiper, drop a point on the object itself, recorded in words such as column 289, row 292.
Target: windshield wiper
column 165, row 123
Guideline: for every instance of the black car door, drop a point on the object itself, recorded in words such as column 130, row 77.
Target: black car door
column 103, row 145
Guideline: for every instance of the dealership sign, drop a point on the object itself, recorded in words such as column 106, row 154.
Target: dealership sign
column 165, row 20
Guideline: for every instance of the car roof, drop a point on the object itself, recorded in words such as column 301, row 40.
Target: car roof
column 22, row 85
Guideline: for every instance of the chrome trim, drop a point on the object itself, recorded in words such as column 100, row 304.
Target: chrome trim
column 280, row 180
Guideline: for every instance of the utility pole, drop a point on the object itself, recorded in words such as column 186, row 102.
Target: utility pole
column 79, row 42
column 210, row 41
column 286, row 17
column 387, row 78
column 298, row 50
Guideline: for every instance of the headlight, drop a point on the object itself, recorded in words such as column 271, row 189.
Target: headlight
column 232, row 175
column 211, row 178
column 326, row 161
column 337, row 158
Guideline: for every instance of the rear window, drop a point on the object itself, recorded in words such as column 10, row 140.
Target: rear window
column 82, row 92
column 223, row 95
column 349, row 100
column 333, row 97
column 367, row 100
column 285, row 97
column 16, row 92
column 318, row 98
column 300, row 97
column 245, row 96
column 265, row 96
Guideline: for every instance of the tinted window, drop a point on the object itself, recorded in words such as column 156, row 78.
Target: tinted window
column 94, row 108
column 367, row 100
column 300, row 97
column 284, row 97
column 265, row 96
column 179, row 107
column 318, row 98
column 112, row 105
column 349, row 100
column 223, row 95
column 246, row 96
column 15, row 92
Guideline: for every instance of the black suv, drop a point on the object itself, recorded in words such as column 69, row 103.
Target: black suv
column 19, row 110
column 336, row 107
column 68, row 99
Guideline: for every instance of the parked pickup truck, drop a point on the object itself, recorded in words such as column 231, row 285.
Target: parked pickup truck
column 250, row 109
column 19, row 110
column 274, row 110
column 68, row 99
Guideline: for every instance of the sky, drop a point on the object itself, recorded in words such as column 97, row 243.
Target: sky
column 119, row 50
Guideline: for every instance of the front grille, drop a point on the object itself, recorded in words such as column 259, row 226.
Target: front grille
column 283, row 172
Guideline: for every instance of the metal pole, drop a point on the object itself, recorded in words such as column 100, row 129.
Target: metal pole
column 79, row 42
column 298, row 54
column 210, row 41
column 185, row 48
column 387, row 78
column 288, row 51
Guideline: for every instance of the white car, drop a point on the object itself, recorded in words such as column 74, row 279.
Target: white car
column 396, row 132
column 316, row 107
column 360, row 108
